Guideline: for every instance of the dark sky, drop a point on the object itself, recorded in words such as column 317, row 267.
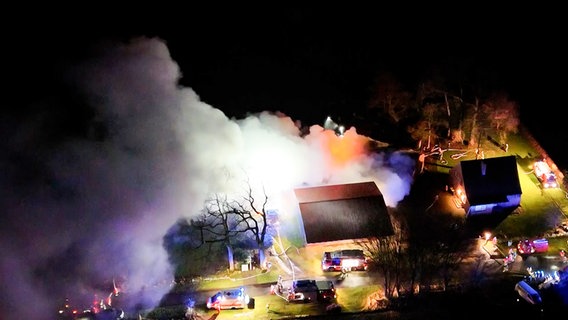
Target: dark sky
column 321, row 59
column 309, row 63
column 71, row 183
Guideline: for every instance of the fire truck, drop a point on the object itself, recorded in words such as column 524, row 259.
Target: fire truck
column 545, row 175
column 347, row 259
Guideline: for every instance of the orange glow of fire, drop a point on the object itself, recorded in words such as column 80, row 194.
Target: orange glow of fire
column 461, row 195
column 346, row 148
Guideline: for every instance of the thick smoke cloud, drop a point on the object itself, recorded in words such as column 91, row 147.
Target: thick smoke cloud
column 81, row 209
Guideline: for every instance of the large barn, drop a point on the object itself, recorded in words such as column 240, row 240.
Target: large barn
column 343, row 212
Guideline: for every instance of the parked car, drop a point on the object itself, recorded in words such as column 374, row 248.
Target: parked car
column 528, row 293
column 304, row 290
column 527, row 247
column 347, row 259
column 326, row 291
column 229, row 299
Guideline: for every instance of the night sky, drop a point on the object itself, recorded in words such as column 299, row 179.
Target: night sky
column 87, row 151
column 313, row 62
column 317, row 61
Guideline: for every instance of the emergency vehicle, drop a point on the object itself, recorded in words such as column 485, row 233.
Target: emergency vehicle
column 545, row 175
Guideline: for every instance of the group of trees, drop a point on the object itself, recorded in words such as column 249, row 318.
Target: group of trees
column 226, row 230
column 420, row 254
column 436, row 112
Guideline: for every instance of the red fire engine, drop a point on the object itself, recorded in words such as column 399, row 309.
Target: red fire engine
column 545, row 175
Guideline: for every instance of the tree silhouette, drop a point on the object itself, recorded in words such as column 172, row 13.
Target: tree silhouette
column 229, row 221
column 503, row 115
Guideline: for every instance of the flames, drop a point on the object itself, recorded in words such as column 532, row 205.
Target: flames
column 344, row 149
column 104, row 303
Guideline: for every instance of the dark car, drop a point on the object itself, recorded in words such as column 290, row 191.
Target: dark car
column 326, row 291
column 304, row 291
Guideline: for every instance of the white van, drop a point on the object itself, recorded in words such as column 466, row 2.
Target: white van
column 528, row 293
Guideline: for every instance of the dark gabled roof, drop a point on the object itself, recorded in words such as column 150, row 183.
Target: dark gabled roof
column 343, row 212
column 337, row 192
column 490, row 180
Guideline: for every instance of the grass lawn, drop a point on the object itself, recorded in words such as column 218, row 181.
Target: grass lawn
column 238, row 279
column 540, row 210
column 556, row 244
column 353, row 299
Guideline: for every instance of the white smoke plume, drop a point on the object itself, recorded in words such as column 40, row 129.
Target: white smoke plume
column 81, row 210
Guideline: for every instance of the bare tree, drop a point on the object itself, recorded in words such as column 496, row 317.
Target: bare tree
column 425, row 128
column 439, row 250
column 503, row 115
column 391, row 99
column 445, row 108
column 450, row 256
column 226, row 221
column 388, row 257
column 253, row 220
column 187, row 250
column 218, row 224
column 474, row 133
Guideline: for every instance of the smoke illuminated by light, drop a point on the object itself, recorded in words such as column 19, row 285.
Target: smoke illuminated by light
column 345, row 149
column 97, row 207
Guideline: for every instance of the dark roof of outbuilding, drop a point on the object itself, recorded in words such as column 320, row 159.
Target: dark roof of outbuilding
column 490, row 180
column 343, row 212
